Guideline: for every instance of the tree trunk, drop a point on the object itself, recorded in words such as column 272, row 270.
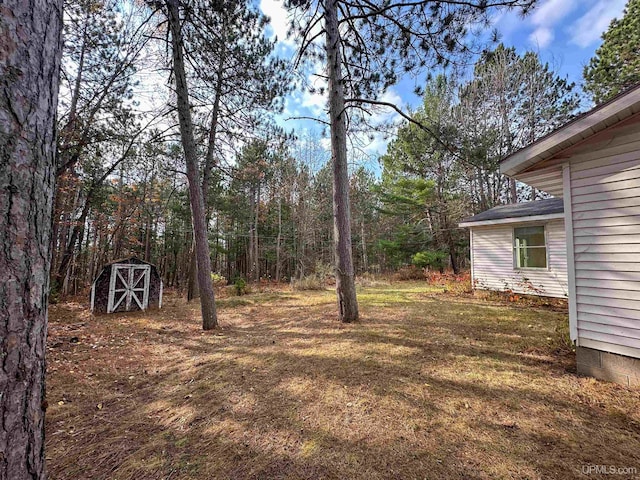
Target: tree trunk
column 147, row 240
column 70, row 246
column 256, row 252
column 251, row 260
column 31, row 43
column 484, row 205
column 207, row 299
column 345, row 282
column 453, row 255
column 279, row 239
column 513, row 191
column 216, row 252
column 365, row 258
column 209, row 162
column 192, row 283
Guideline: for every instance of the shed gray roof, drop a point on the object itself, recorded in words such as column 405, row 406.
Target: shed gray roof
column 548, row 206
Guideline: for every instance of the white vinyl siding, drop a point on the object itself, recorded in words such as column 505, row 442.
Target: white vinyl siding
column 605, row 199
column 493, row 261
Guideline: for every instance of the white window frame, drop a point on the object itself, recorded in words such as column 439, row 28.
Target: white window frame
column 515, row 249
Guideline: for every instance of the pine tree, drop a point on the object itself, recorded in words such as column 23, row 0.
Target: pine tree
column 234, row 69
column 198, row 214
column 423, row 173
column 368, row 46
column 511, row 101
column 616, row 64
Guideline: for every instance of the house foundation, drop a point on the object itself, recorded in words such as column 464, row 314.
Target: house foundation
column 608, row 366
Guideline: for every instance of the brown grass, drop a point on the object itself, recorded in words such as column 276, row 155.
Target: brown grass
column 425, row 386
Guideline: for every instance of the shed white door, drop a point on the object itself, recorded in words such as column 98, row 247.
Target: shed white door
column 129, row 285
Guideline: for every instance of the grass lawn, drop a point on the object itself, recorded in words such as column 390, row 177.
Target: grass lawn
column 425, row 386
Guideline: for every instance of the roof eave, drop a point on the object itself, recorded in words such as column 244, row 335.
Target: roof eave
column 582, row 127
column 504, row 221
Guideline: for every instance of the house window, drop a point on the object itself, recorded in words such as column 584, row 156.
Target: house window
column 529, row 247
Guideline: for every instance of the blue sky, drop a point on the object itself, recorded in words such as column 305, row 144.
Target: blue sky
column 566, row 33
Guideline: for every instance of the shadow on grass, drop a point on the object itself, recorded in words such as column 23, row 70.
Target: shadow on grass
column 421, row 389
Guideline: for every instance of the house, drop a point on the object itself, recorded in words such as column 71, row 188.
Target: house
column 520, row 248
column 125, row 285
column 593, row 164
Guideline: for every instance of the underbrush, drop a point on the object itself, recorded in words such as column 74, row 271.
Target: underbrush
column 460, row 286
column 451, row 283
column 410, row 272
column 322, row 276
column 372, row 280
column 310, row 282
column 510, row 297
column 218, row 280
column 455, row 284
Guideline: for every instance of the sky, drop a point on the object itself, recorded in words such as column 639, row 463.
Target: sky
column 565, row 33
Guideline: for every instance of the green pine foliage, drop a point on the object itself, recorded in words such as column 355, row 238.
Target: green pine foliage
column 431, row 259
column 616, row 64
column 444, row 165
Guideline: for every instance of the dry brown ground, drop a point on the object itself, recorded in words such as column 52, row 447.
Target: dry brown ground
column 425, row 386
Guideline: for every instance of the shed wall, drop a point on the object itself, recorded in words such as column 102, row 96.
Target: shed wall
column 605, row 204
column 493, row 267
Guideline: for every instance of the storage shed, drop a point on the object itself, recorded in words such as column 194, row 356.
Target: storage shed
column 125, row 285
column 520, row 248
column 593, row 163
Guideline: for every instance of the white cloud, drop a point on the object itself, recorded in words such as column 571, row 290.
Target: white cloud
column 315, row 102
column 588, row 28
column 541, row 37
column 388, row 114
column 279, row 15
column 325, row 143
column 545, row 17
column 551, row 12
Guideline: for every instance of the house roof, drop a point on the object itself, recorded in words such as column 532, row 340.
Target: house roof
column 518, row 212
column 581, row 127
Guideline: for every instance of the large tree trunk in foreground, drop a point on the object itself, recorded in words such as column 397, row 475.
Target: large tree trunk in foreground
column 345, row 282
column 30, row 43
column 207, row 300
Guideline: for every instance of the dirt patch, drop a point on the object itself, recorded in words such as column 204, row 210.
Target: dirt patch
column 423, row 387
